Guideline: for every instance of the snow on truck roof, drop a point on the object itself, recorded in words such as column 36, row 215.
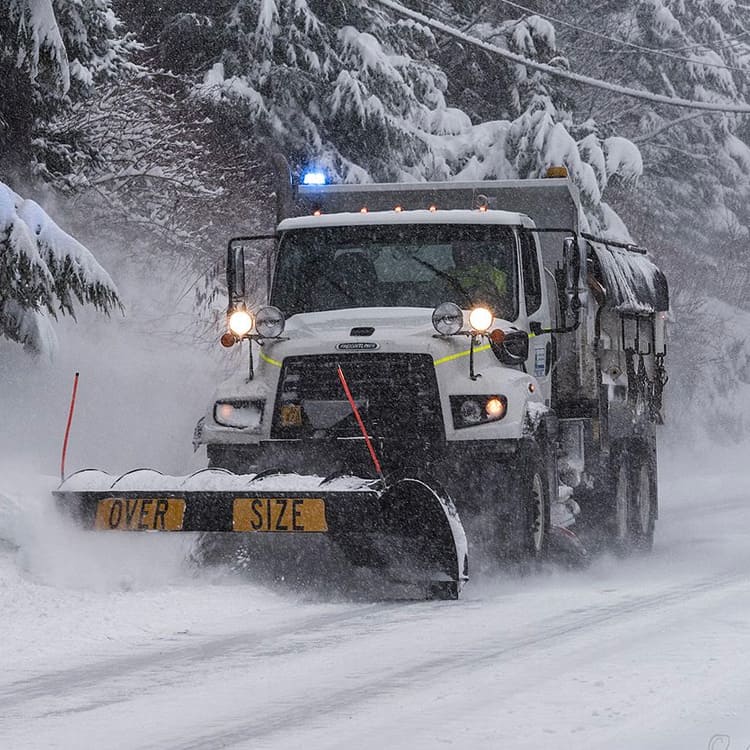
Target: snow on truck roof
column 420, row 216
column 457, row 194
column 549, row 202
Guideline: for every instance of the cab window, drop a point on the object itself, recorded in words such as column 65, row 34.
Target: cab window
column 532, row 285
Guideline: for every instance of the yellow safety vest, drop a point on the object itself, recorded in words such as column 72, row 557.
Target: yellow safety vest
column 482, row 282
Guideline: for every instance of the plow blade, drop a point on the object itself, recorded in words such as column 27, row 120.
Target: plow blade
column 406, row 529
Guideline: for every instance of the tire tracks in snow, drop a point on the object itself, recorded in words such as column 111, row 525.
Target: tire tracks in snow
column 461, row 660
column 110, row 681
column 247, row 643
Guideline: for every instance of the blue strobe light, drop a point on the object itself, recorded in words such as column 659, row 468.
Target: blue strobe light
column 314, row 178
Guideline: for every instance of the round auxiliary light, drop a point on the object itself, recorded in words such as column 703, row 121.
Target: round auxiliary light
column 269, row 322
column 480, row 319
column 227, row 339
column 240, row 322
column 447, row 318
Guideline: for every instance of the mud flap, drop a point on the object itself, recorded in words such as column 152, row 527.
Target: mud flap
column 408, row 530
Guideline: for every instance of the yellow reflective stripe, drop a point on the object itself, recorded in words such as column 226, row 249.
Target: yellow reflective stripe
column 270, row 361
column 451, row 357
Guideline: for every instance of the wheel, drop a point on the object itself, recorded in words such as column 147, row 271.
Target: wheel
column 633, row 499
column 643, row 501
column 443, row 591
column 621, row 522
column 529, row 510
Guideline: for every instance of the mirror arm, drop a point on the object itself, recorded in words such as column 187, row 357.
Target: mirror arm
column 537, row 330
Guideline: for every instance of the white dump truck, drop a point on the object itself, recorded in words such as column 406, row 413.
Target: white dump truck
column 431, row 359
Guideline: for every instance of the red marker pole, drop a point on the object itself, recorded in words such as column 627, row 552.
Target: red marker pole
column 67, row 427
column 361, row 424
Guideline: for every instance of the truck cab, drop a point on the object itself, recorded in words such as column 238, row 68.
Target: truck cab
column 360, row 290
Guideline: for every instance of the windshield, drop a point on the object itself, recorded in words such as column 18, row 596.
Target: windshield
column 406, row 265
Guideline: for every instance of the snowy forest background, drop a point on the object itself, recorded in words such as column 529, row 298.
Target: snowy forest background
column 146, row 131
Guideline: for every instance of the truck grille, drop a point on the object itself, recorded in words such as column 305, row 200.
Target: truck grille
column 396, row 394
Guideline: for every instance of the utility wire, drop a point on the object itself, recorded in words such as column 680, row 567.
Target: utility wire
column 557, row 72
column 624, row 42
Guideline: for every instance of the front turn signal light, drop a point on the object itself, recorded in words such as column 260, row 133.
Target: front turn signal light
column 497, row 336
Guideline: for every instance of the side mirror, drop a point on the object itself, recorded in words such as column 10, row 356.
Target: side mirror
column 236, row 273
column 571, row 263
column 572, row 269
column 513, row 349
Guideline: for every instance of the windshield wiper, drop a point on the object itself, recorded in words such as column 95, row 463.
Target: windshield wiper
column 447, row 277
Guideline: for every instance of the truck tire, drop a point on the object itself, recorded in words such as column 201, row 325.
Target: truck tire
column 633, row 498
column 643, row 498
column 622, row 504
column 529, row 508
column 443, row 591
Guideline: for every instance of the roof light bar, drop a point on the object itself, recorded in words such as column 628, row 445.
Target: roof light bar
column 314, row 178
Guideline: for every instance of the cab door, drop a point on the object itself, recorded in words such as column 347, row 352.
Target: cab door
column 536, row 302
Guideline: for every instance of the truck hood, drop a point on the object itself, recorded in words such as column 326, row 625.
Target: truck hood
column 338, row 324
column 394, row 329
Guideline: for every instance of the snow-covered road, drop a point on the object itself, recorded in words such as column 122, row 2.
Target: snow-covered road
column 119, row 644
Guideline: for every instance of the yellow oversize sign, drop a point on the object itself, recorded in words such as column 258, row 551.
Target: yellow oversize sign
column 140, row 514
column 290, row 514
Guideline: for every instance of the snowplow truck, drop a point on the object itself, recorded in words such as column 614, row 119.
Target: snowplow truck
column 431, row 362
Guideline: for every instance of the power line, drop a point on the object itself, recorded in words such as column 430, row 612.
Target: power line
column 624, row 42
column 557, row 72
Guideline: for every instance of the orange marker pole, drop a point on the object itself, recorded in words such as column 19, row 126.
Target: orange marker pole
column 67, row 427
column 361, row 424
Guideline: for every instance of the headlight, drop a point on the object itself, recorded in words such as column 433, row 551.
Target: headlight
column 269, row 322
column 239, row 414
column 240, row 322
column 480, row 319
column 468, row 411
column 447, row 318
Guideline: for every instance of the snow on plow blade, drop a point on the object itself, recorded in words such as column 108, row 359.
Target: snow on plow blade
column 407, row 528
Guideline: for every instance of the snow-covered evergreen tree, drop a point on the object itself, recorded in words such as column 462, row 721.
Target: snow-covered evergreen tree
column 43, row 271
column 52, row 52
column 540, row 126
column 367, row 94
column 693, row 202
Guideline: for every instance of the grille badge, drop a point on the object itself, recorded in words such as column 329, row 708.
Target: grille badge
column 358, row 346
